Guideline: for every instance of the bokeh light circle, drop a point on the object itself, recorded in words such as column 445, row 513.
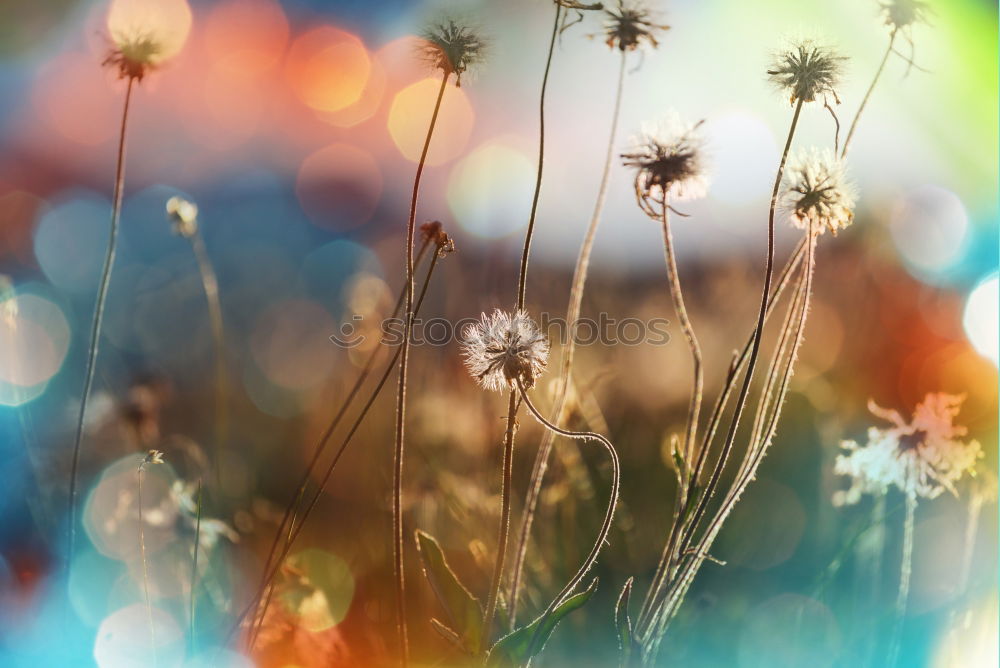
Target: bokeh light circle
column 124, row 639
column 291, row 346
column 487, row 190
column 328, row 68
column 324, row 591
column 339, row 186
column 246, row 37
column 929, row 226
column 71, row 240
column 743, row 152
column 981, row 317
column 809, row 634
column 410, row 115
column 34, row 338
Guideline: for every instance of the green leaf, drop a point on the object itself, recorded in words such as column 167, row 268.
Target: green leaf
column 623, row 623
column 463, row 610
column 513, row 649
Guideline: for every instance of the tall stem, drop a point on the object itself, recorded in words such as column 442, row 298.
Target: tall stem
column 561, row 405
column 145, row 573
column 194, row 570
column 868, row 94
column 523, row 275
column 95, row 330
column 905, row 571
column 210, row 284
column 505, row 494
column 609, row 515
column 295, row 529
column 397, row 469
column 755, row 349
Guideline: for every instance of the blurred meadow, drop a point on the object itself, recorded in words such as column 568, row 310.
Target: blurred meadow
column 296, row 127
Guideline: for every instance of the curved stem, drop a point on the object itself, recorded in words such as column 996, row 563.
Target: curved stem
column 905, row 571
column 523, row 275
column 194, row 569
column 295, row 529
column 561, row 405
column 755, row 349
column 868, row 94
column 95, row 330
column 602, row 535
column 295, row 504
column 210, row 284
column 505, row 494
column 397, row 469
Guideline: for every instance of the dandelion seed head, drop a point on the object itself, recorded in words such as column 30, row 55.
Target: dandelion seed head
column 503, row 348
column 902, row 14
column 807, row 71
column 669, row 163
column 133, row 56
column 183, row 215
column 816, row 192
column 630, row 24
column 921, row 457
column 453, row 48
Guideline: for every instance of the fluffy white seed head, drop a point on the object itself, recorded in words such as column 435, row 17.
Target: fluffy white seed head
column 807, row 71
column 922, row 457
column 503, row 348
column 816, row 192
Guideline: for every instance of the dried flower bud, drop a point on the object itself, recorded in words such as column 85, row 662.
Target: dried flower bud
column 145, row 33
column 184, row 216
column 628, row 26
column 902, row 14
column 152, row 457
column 669, row 164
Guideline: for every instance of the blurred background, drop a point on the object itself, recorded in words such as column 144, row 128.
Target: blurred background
column 295, row 126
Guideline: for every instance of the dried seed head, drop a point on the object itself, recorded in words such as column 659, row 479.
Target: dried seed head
column 144, row 34
column 152, row 457
column 133, row 56
column 453, row 48
column 922, row 457
column 503, row 348
column 184, row 216
column 629, row 25
column 901, row 14
column 669, row 164
column 433, row 232
column 816, row 192
column 807, row 71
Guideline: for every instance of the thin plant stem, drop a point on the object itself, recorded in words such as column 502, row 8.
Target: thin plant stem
column 677, row 295
column 296, row 529
column 609, row 515
column 523, row 274
column 755, row 349
column 504, row 530
column 295, row 504
column 145, row 572
column 905, row 572
column 397, row 468
column 787, row 350
column 561, row 405
column 868, row 94
column 194, row 568
column 210, row 284
column 95, row 331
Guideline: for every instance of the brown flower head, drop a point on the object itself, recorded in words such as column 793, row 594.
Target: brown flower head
column 629, row 25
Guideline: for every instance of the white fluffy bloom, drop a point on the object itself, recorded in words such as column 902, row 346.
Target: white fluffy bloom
column 669, row 162
column 817, row 193
column 503, row 348
column 922, row 457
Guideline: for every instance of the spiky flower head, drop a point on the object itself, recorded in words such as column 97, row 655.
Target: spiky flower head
column 152, row 457
column 453, row 48
column 503, row 349
column 629, row 25
column 902, row 14
column 816, row 192
column 807, row 71
column 184, row 216
column 669, row 163
column 921, row 457
column 433, row 232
